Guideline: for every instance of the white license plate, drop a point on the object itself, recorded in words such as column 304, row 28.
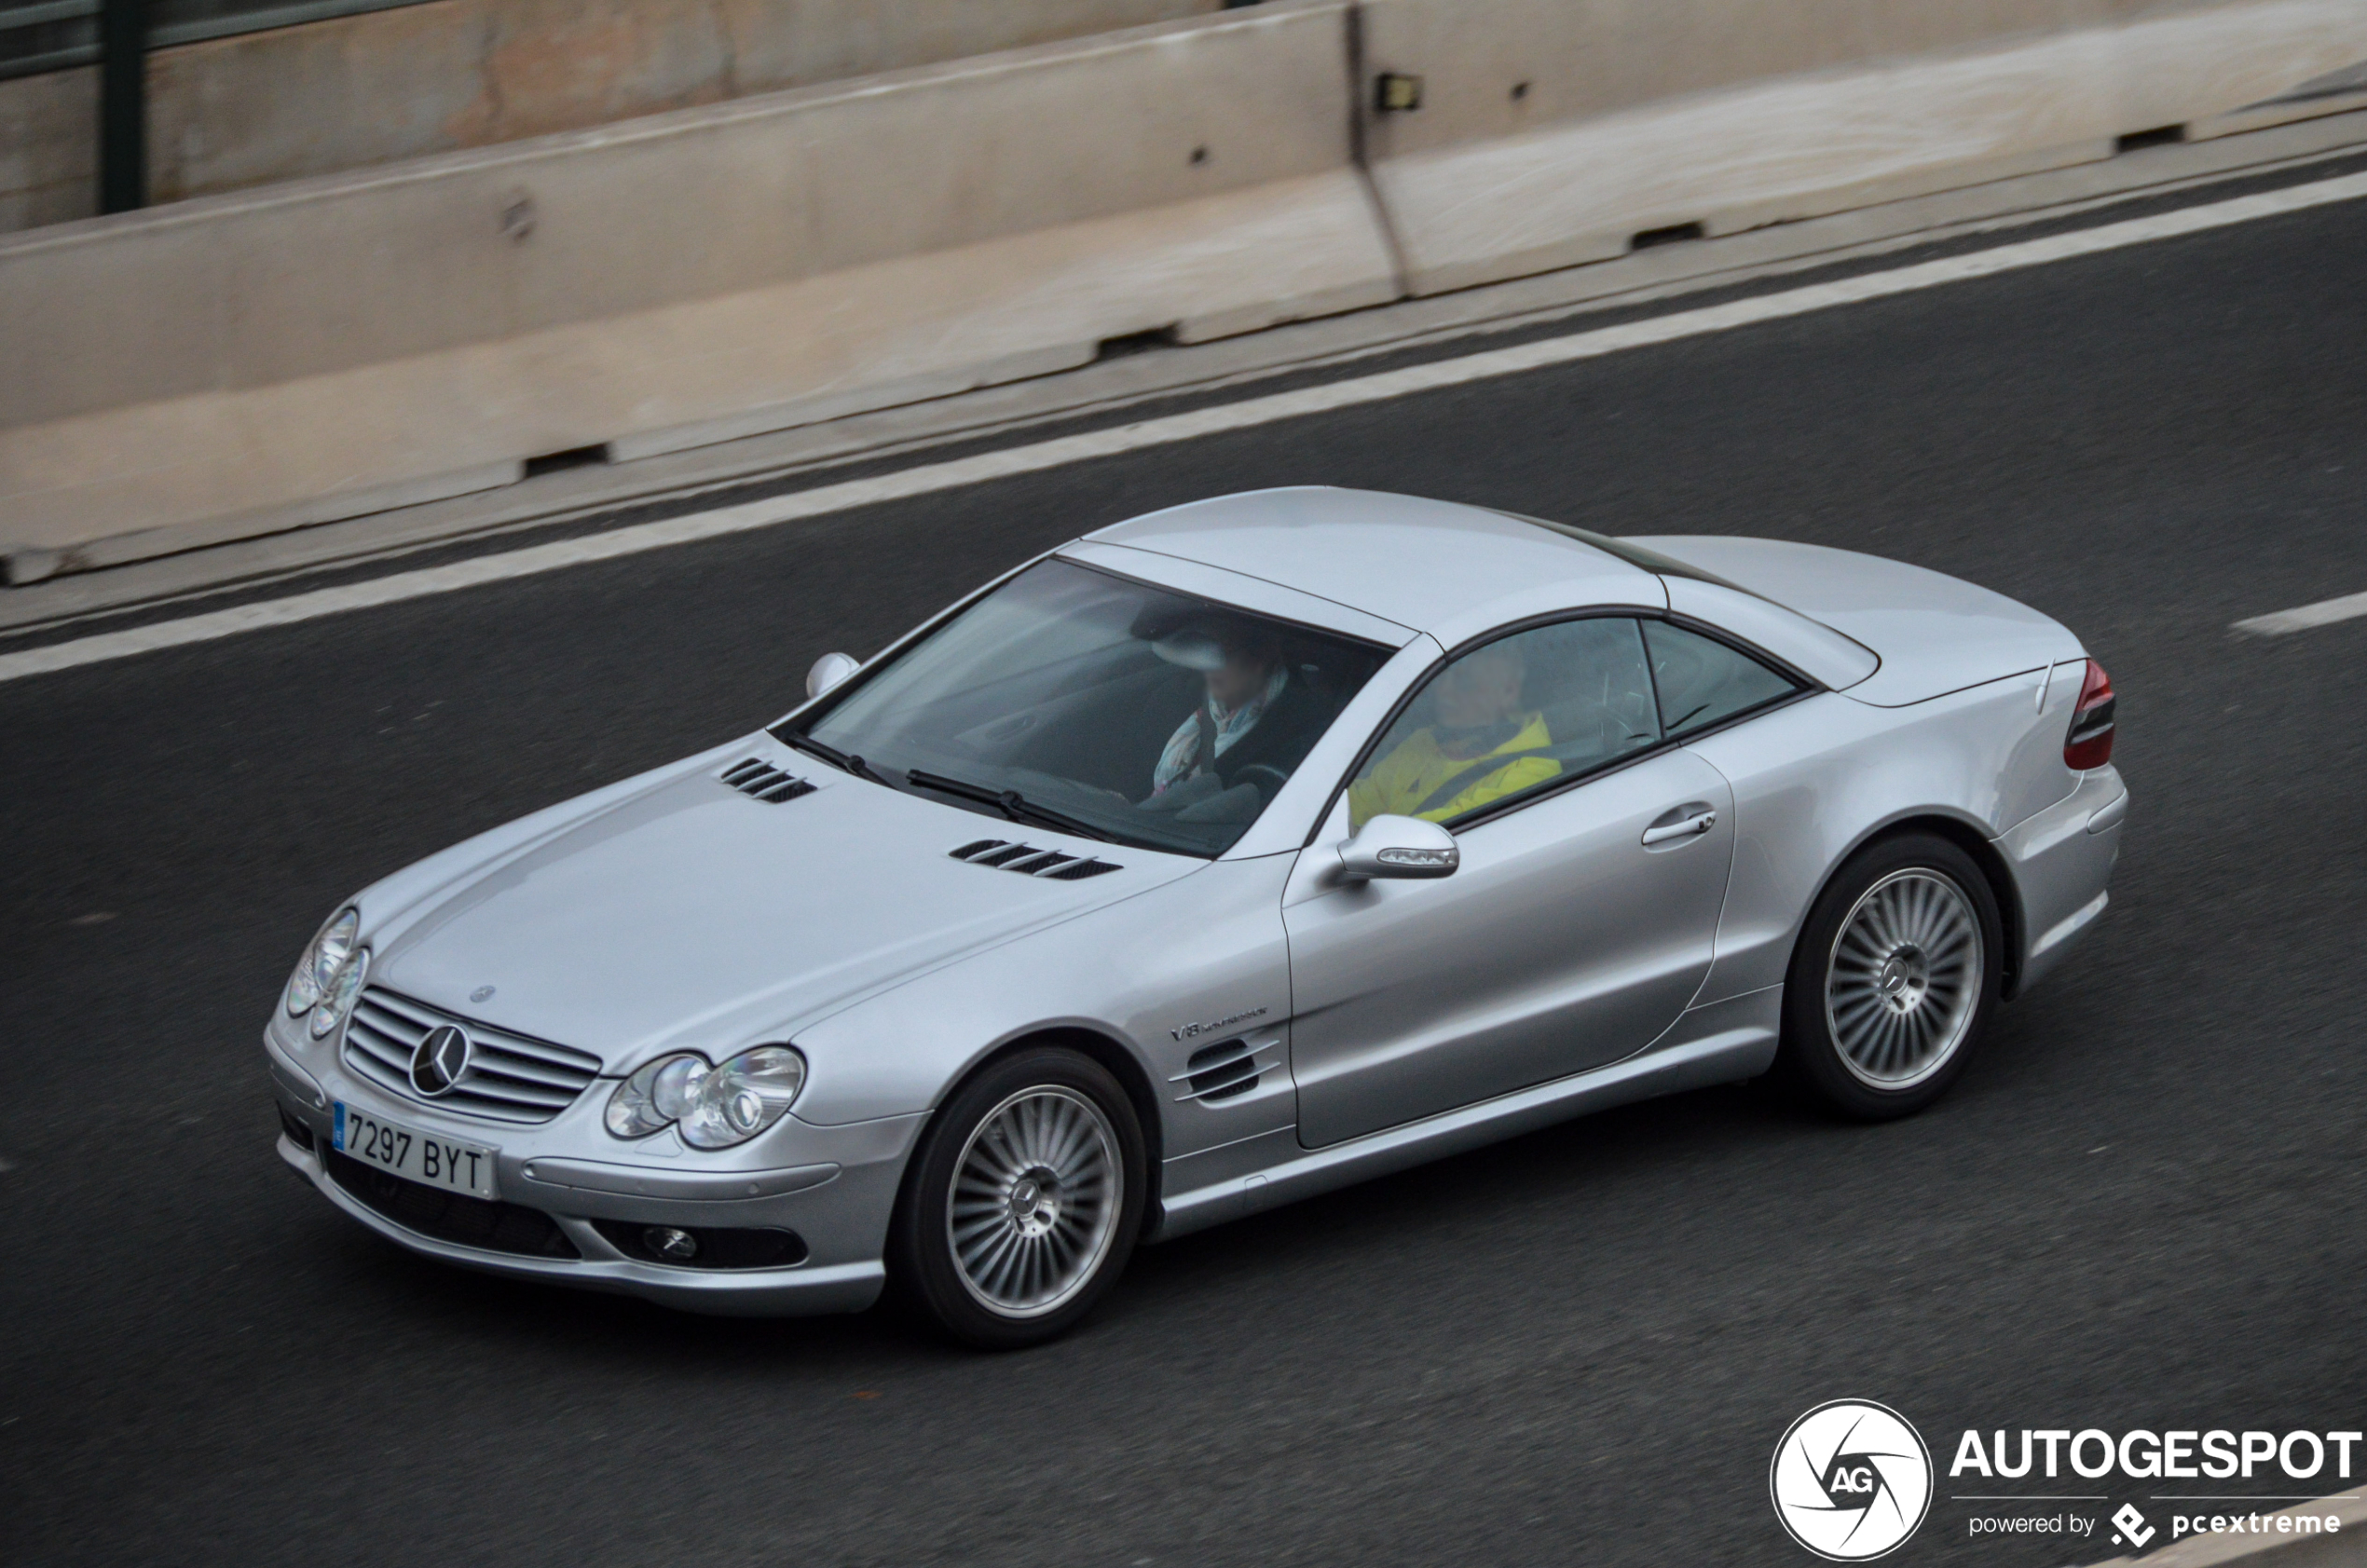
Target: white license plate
column 412, row 1155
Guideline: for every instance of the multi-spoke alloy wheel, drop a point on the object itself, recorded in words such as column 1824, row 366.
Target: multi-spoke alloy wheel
column 1894, row 977
column 1024, row 1200
column 1035, row 1201
column 1905, row 977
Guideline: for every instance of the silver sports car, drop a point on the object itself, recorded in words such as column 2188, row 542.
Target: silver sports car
column 1216, row 859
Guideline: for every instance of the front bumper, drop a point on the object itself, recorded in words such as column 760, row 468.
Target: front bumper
column 835, row 1187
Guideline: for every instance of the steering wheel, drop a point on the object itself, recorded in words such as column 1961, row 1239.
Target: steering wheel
column 1267, row 778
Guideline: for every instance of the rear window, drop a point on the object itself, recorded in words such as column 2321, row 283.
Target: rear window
column 1700, row 681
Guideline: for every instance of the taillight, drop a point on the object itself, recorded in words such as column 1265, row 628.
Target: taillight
column 2089, row 744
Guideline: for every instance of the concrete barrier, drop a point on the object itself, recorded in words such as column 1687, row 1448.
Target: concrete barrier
column 327, row 347
column 1551, row 132
column 439, row 75
column 444, row 75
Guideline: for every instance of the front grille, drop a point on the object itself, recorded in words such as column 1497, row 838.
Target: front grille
column 511, row 1078
column 453, row 1217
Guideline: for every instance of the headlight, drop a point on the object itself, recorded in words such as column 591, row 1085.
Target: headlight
column 317, row 970
column 337, row 998
column 716, row 1107
column 633, row 1109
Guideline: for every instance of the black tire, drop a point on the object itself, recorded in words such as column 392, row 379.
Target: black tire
column 990, row 1304
column 1851, row 1046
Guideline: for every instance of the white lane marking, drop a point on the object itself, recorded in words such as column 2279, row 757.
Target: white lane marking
column 2325, row 612
column 928, row 478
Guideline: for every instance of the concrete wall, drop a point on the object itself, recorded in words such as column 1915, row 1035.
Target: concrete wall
column 48, row 148
column 1553, row 131
column 320, row 349
column 447, row 74
column 316, row 348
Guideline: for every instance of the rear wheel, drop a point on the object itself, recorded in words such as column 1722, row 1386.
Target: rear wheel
column 1894, row 979
column 1023, row 1202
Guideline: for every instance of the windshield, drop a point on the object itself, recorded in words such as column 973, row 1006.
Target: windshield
column 1071, row 699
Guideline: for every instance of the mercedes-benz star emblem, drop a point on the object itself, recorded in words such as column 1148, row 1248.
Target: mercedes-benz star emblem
column 439, row 1061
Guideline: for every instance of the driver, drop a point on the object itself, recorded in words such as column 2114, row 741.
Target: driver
column 1444, row 769
column 1254, row 713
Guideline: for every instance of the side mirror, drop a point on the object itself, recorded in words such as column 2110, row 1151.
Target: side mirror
column 827, row 672
column 1392, row 846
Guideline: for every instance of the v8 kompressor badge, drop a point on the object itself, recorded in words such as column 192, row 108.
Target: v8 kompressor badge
column 1192, row 1031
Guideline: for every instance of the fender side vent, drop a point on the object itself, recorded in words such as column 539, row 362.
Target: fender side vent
column 1222, row 1070
column 1027, row 859
column 765, row 782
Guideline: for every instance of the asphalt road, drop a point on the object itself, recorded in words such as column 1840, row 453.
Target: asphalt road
column 2141, row 1207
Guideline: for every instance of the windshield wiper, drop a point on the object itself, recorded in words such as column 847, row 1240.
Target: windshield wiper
column 835, row 758
column 1010, row 802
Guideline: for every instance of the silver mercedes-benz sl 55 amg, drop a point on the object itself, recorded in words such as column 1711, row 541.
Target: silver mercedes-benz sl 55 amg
column 1216, row 859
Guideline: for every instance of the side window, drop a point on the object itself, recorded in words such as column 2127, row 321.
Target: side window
column 1509, row 715
column 1702, row 681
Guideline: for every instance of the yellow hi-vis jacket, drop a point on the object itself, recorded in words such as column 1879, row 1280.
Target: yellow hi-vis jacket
column 1411, row 774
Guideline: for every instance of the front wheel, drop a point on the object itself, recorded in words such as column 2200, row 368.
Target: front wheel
column 1894, row 979
column 1023, row 1201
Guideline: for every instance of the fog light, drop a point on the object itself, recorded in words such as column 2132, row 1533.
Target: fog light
column 667, row 1242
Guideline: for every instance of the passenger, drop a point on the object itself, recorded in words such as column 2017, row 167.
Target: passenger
column 1440, row 770
column 1256, row 714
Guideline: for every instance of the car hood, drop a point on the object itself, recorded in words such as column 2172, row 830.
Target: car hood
column 687, row 915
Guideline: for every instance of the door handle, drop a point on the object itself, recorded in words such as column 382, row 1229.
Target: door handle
column 1690, row 827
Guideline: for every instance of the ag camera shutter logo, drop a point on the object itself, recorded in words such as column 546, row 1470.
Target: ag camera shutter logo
column 1851, row 1481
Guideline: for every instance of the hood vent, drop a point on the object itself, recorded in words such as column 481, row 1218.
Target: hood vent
column 765, row 782
column 1027, row 859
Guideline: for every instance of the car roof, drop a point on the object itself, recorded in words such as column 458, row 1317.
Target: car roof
column 1429, row 566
